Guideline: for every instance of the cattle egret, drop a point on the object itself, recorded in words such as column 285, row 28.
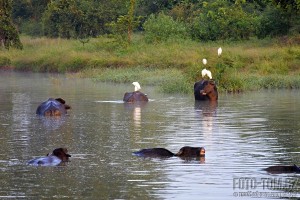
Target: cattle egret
column 219, row 51
column 137, row 86
column 204, row 61
column 206, row 72
column 203, row 72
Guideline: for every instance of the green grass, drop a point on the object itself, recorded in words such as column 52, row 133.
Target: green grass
column 173, row 66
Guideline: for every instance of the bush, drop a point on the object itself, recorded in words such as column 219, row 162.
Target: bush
column 221, row 21
column 162, row 28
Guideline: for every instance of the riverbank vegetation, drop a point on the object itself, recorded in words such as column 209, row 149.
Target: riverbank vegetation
column 173, row 65
column 158, row 42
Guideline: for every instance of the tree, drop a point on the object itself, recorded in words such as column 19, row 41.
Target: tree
column 291, row 9
column 29, row 9
column 9, row 36
column 222, row 20
column 27, row 15
column 161, row 27
column 80, row 18
column 125, row 24
column 62, row 18
column 130, row 19
column 288, row 5
column 146, row 7
column 273, row 22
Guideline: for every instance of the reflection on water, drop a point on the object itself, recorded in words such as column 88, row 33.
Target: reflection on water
column 242, row 134
column 207, row 110
column 137, row 116
column 136, row 109
column 53, row 122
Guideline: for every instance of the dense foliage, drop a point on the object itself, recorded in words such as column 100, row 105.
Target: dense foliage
column 199, row 19
column 224, row 20
column 162, row 27
column 8, row 34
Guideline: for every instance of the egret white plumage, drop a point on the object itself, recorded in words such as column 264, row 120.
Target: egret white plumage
column 137, row 86
column 206, row 72
column 203, row 72
column 219, row 51
column 204, row 61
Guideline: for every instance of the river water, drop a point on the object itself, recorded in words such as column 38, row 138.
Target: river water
column 242, row 134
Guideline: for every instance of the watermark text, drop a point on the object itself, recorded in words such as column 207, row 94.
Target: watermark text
column 273, row 187
column 252, row 183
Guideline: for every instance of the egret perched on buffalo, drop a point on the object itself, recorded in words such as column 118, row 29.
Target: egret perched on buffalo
column 135, row 96
column 206, row 88
column 206, row 72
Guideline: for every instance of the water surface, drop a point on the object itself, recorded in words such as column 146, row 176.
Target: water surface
column 242, row 134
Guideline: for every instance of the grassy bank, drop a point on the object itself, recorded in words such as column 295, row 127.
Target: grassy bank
column 173, row 66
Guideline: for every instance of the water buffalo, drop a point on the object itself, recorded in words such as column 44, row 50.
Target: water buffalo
column 205, row 90
column 58, row 156
column 283, row 169
column 162, row 152
column 53, row 107
column 135, row 96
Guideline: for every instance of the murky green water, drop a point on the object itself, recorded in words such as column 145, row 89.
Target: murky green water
column 242, row 134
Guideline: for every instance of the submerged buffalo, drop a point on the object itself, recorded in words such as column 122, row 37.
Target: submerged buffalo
column 283, row 169
column 53, row 107
column 58, row 157
column 136, row 96
column 162, row 152
column 205, row 90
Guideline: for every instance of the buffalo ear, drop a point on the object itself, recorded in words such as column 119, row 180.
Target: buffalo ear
column 67, row 107
column 212, row 82
column 60, row 100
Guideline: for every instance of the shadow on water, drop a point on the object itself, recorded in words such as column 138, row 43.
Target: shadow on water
column 185, row 160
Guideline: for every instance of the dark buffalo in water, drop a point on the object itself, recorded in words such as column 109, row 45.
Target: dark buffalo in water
column 53, row 107
column 283, row 169
column 58, row 157
column 162, row 152
column 136, row 96
column 205, row 90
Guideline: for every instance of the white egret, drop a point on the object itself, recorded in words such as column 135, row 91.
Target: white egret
column 203, row 72
column 206, row 72
column 219, row 51
column 137, row 86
